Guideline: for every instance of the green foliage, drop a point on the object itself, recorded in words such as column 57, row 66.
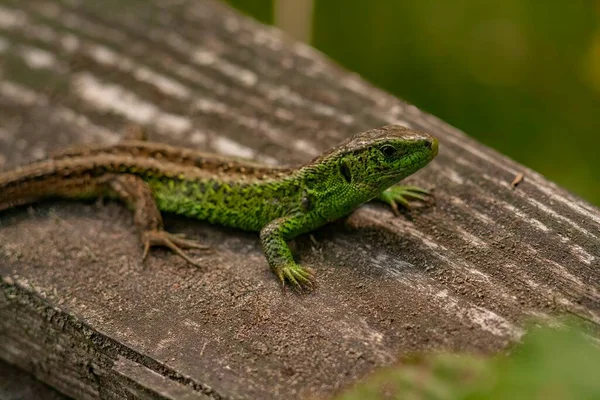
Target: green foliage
column 550, row 364
column 522, row 76
column 261, row 10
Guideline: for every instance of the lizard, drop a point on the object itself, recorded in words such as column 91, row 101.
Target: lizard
column 279, row 202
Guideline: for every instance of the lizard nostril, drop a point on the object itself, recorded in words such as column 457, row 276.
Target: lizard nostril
column 428, row 143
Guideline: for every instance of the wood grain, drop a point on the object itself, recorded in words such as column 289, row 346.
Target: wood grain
column 80, row 311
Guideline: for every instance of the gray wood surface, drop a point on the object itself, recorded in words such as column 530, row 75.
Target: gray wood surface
column 81, row 313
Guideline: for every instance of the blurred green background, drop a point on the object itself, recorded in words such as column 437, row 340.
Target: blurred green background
column 522, row 76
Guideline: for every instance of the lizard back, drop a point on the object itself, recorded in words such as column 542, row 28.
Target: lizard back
column 205, row 186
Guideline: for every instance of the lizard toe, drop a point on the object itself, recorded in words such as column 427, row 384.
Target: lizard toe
column 299, row 278
column 173, row 242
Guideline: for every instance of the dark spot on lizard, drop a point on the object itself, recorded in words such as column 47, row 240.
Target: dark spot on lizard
column 345, row 171
column 305, row 202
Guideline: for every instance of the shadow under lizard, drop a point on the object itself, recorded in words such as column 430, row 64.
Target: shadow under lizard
column 279, row 202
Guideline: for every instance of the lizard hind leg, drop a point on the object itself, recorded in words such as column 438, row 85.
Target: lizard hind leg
column 175, row 242
column 132, row 190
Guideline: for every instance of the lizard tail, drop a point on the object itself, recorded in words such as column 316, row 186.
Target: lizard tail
column 45, row 179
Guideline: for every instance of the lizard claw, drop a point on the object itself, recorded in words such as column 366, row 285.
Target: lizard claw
column 175, row 242
column 400, row 195
column 302, row 279
column 180, row 240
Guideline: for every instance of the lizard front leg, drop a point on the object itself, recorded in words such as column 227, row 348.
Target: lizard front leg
column 274, row 238
column 398, row 194
column 132, row 190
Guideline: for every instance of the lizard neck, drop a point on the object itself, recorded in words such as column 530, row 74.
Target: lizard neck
column 328, row 193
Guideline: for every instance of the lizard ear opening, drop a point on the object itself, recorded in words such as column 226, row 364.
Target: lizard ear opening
column 345, row 171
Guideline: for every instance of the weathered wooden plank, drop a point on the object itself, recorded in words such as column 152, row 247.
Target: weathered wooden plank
column 80, row 311
column 16, row 384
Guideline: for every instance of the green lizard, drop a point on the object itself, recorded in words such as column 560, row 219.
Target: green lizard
column 279, row 202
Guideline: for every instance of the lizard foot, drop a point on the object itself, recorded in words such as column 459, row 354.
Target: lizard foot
column 401, row 195
column 175, row 242
column 302, row 279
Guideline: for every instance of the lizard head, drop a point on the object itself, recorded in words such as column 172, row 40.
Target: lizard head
column 379, row 158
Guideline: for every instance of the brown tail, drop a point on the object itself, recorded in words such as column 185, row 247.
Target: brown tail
column 44, row 179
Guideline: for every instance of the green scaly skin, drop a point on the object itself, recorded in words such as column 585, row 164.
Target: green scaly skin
column 328, row 188
column 280, row 203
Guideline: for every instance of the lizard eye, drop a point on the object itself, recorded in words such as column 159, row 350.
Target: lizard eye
column 388, row 150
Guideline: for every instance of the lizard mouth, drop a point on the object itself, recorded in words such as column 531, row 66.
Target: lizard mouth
column 434, row 148
column 431, row 146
